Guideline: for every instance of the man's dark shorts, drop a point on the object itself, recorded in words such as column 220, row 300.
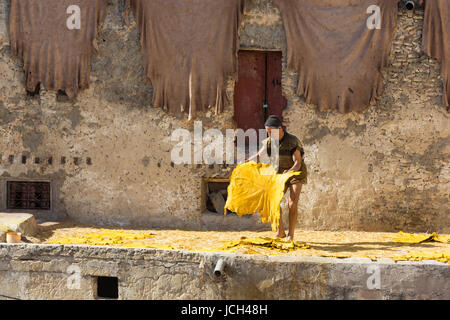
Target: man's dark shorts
column 299, row 178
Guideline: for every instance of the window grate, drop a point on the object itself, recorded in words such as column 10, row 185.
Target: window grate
column 27, row 195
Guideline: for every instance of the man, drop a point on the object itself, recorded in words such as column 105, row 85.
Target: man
column 290, row 159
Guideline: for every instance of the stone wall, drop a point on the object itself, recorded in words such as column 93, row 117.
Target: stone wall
column 51, row 272
column 385, row 169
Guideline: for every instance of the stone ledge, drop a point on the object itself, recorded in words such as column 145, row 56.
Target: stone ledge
column 24, row 250
column 176, row 274
column 24, row 223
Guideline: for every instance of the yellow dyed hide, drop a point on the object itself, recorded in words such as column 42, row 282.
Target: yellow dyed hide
column 105, row 237
column 263, row 242
column 256, row 187
column 420, row 238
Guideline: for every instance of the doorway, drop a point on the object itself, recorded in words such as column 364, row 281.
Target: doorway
column 258, row 90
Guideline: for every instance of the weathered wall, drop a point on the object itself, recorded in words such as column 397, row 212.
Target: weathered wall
column 44, row 272
column 385, row 169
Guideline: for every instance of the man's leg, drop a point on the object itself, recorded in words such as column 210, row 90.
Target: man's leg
column 281, row 233
column 294, row 195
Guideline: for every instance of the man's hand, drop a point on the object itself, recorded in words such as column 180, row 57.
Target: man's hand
column 251, row 159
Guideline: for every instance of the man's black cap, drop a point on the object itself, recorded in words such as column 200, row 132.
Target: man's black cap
column 273, row 121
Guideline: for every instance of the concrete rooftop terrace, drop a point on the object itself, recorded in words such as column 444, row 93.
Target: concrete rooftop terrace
column 66, row 261
column 342, row 244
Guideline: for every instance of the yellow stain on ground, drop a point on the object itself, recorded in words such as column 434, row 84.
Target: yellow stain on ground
column 421, row 255
column 344, row 244
column 148, row 246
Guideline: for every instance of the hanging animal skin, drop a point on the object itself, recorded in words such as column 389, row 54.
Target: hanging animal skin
column 436, row 39
column 338, row 48
column 55, row 39
column 189, row 48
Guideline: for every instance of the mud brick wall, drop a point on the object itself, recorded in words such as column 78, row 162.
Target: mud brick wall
column 385, row 169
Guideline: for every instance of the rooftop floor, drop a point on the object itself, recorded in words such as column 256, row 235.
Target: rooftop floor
column 343, row 244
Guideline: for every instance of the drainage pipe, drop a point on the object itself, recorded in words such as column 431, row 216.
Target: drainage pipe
column 220, row 265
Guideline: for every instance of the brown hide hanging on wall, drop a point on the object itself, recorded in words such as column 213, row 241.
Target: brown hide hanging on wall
column 436, row 39
column 190, row 48
column 337, row 56
column 57, row 57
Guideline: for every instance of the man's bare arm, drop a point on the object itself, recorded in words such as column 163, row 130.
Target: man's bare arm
column 257, row 155
column 297, row 157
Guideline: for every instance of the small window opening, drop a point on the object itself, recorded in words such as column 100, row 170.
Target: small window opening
column 216, row 195
column 25, row 195
column 108, row 287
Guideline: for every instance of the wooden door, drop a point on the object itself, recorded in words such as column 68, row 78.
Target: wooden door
column 258, row 91
column 250, row 90
column 276, row 101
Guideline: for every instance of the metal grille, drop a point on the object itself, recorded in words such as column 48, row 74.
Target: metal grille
column 28, row 195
